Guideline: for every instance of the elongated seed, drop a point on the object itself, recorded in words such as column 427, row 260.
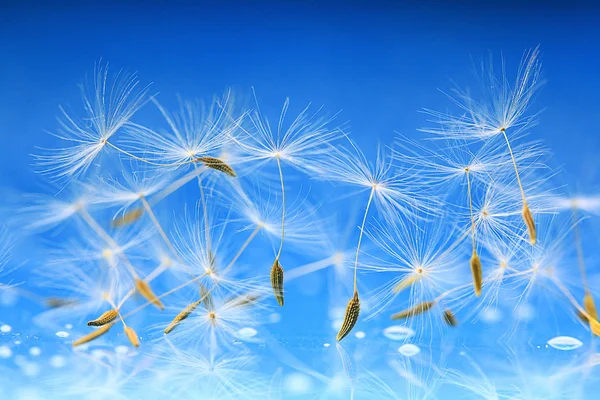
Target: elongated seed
column 476, row 273
column 93, row 335
column 589, row 306
column 277, row 281
column 181, row 316
column 128, row 218
column 528, row 218
column 57, row 302
column 144, row 289
column 217, row 164
column 350, row 318
column 242, row 300
column 406, row 283
column 105, row 318
column 132, row 336
column 449, row 318
column 414, row 311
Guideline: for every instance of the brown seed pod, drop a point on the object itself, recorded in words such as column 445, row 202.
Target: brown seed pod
column 277, row 281
column 105, row 318
column 217, row 164
column 449, row 318
column 476, row 273
column 181, row 316
column 128, row 218
column 414, row 311
column 144, row 289
column 528, row 218
column 350, row 318
column 94, row 335
column 132, row 336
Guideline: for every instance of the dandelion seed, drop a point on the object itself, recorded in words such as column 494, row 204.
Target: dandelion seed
column 277, row 281
column 57, row 302
column 242, row 301
column 406, row 283
column 105, row 318
column 449, row 318
column 127, row 218
column 477, row 273
column 144, row 289
column 217, row 164
column 132, row 336
column 94, row 335
column 590, row 307
column 414, row 311
column 350, row 318
column 181, row 316
column 528, row 218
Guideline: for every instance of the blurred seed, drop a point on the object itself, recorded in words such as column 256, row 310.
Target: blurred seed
column 242, row 300
column 144, row 289
column 414, row 311
column 91, row 336
column 127, row 218
column 105, row 318
column 350, row 318
column 595, row 327
column 217, row 164
column 277, row 281
column 528, row 218
column 476, row 273
column 589, row 306
column 449, row 318
column 181, row 316
column 132, row 336
column 57, row 302
column 406, row 283
column 581, row 316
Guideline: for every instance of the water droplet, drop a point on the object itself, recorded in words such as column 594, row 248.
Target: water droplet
column 398, row 332
column 275, row 318
column 326, row 344
column 30, row 369
column 5, row 352
column 524, row 312
column 58, row 361
column 5, row 328
column 122, row 350
column 408, row 350
column 297, row 383
column 247, row 332
column 337, row 324
column 17, row 342
column 360, row 335
column 62, row 334
column 565, row 343
column 35, row 351
column 68, row 326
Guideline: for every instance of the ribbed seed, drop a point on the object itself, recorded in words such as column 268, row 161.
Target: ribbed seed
column 217, row 164
column 132, row 336
column 127, row 218
column 476, row 273
column 91, row 336
column 105, row 318
column 414, row 311
column 242, row 300
column 528, row 218
column 406, row 283
column 181, row 316
column 350, row 318
column 148, row 294
column 277, row 281
column 449, row 318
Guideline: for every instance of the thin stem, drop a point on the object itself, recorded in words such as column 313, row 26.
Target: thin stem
column 176, row 185
column 144, row 160
column 205, row 211
column 282, row 208
column 107, row 238
column 162, row 233
column 308, row 269
column 515, row 165
column 362, row 229
column 471, row 208
column 579, row 247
